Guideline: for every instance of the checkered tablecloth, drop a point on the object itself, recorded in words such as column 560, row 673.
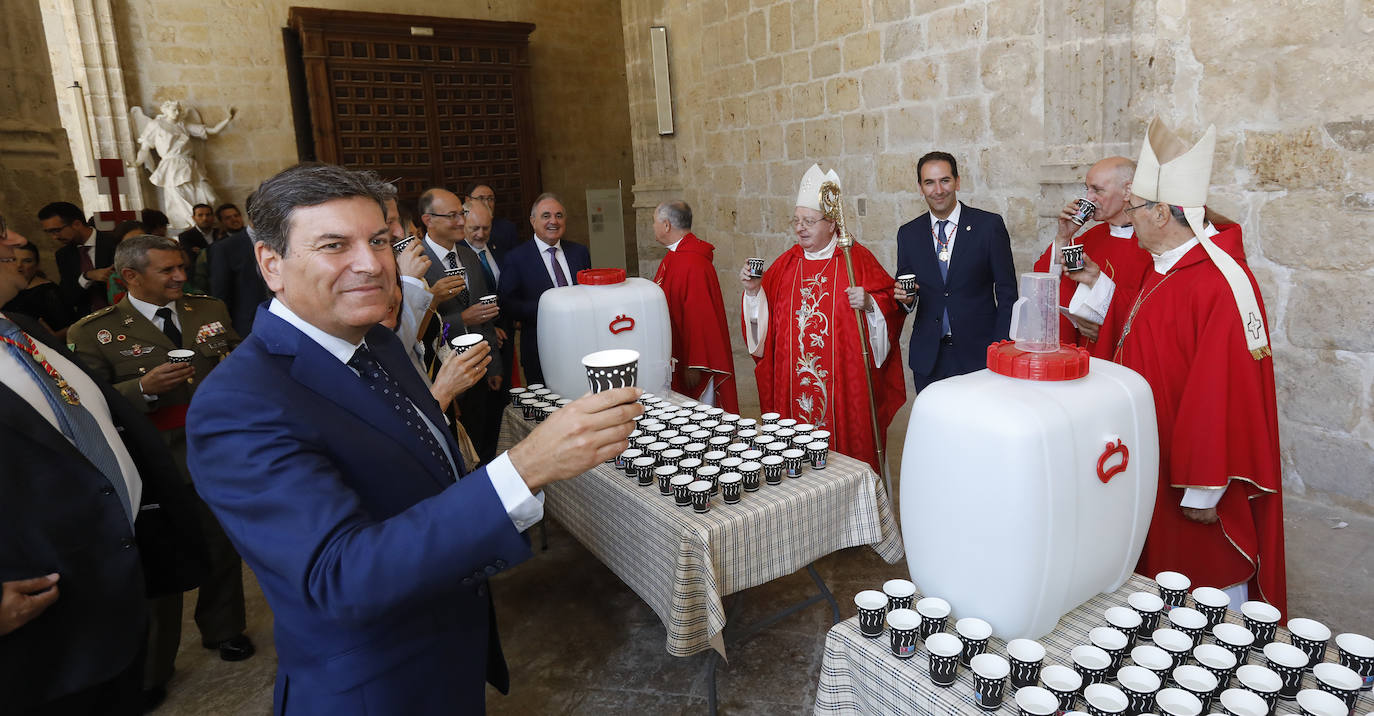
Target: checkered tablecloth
column 682, row 563
column 861, row 676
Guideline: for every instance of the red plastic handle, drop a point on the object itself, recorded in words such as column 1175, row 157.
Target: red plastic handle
column 1105, row 474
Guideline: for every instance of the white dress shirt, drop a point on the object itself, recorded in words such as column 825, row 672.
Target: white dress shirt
column 485, row 250
column 87, row 245
column 149, row 311
column 523, row 508
column 562, row 260
column 16, row 377
column 951, row 230
column 443, row 253
column 755, row 312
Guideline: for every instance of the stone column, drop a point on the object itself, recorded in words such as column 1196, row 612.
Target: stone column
column 37, row 165
column 84, row 48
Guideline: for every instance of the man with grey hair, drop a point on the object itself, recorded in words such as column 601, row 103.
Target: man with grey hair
column 534, row 267
column 1112, row 259
column 328, row 460
column 703, row 365
column 133, row 346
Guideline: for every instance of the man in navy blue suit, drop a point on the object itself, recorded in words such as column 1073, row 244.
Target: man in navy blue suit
column 332, row 470
column 534, row 267
column 965, row 281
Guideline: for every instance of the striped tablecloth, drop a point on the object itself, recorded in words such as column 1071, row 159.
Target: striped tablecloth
column 861, row 676
column 682, row 564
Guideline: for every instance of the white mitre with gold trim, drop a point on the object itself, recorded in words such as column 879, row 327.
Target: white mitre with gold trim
column 809, row 194
column 1171, row 172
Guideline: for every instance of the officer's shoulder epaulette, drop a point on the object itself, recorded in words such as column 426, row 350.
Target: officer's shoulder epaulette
column 92, row 316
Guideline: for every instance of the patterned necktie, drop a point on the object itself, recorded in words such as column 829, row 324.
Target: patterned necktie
column 944, row 269
column 390, row 392
column 75, row 421
column 168, row 326
column 559, row 277
column 452, row 259
column 486, row 268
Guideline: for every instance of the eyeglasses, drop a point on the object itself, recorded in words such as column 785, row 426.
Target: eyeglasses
column 1129, row 209
column 797, row 223
column 451, row 216
column 487, row 198
column 54, row 231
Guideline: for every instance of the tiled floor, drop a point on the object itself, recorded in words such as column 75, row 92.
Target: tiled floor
column 579, row 642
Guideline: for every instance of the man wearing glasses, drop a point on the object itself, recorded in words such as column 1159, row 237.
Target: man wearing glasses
column 457, row 300
column 86, row 259
column 503, row 236
column 800, row 326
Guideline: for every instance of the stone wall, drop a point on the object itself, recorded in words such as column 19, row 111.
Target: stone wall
column 1027, row 95
column 35, row 164
column 217, row 55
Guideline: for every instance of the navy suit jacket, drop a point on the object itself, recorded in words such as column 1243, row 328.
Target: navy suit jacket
column 979, row 290
column 234, row 279
column 374, row 562
column 523, row 280
column 69, row 271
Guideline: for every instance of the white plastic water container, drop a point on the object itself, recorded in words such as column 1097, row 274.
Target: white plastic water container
column 1027, row 488
column 604, row 310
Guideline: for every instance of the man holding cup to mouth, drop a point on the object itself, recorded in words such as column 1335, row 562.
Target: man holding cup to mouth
column 327, row 460
column 1111, row 257
column 155, row 347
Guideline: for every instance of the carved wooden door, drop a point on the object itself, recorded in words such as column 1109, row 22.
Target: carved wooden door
column 424, row 101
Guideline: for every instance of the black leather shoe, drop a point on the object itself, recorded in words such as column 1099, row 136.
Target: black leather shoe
column 153, row 698
column 236, row 649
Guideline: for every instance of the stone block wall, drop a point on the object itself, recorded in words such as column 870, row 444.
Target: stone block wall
column 217, row 55
column 1027, row 95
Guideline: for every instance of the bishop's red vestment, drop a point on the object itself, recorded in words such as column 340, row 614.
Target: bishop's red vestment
column 1123, row 261
column 812, row 369
column 701, row 337
column 1218, row 425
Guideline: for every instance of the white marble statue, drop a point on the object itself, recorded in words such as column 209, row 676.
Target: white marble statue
column 181, row 178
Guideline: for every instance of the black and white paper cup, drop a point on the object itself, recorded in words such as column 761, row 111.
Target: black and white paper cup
column 730, row 487
column 1149, row 607
column 900, row 593
column 752, row 474
column 934, row 613
column 1356, row 652
column 872, row 606
column 664, row 474
column 1155, row 659
column 1025, row 657
column 794, row 459
column 1091, row 663
column 1140, row 686
column 1262, row 681
column 682, row 496
column 1234, row 638
column 1212, row 602
column 1312, row 637
column 701, row 496
column 1035, row 701
column 403, row 244
column 904, row 632
column 643, row 470
column 772, row 469
column 818, row 453
column 488, row 300
column 1105, row 700
column 1086, row 209
column 944, row 658
column 1063, row 682
column 1197, row 681
column 1339, row 681
column 180, row 355
column 755, row 266
column 610, row 369
column 1173, row 589
column 1177, row 702
column 1111, row 641
column 989, row 680
column 463, row 343
column 974, row 633
column 1262, row 619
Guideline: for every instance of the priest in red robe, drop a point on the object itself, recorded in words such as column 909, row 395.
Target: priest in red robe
column 703, row 366
column 799, row 325
column 1113, row 261
column 1196, row 332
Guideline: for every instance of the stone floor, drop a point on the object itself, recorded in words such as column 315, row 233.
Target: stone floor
column 580, row 642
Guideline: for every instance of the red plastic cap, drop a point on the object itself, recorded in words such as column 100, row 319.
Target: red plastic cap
column 1067, row 363
column 601, row 277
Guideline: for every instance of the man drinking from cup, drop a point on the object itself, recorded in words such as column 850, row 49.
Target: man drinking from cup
column 1112, row 261
column 327, row 459
column 134, row 345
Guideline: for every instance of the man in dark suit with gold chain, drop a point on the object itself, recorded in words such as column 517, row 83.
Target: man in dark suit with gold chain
column 97, row 518
column 133, row 345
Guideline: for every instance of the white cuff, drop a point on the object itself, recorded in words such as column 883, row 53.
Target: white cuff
column 82, row 281
column 1201, row 499
column 524, row 508
column 755, row 312
column 877, row 335
column 415, row 281
column 1091, row 304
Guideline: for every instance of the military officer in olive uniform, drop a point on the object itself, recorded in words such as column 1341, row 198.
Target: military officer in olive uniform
column 154, row 347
